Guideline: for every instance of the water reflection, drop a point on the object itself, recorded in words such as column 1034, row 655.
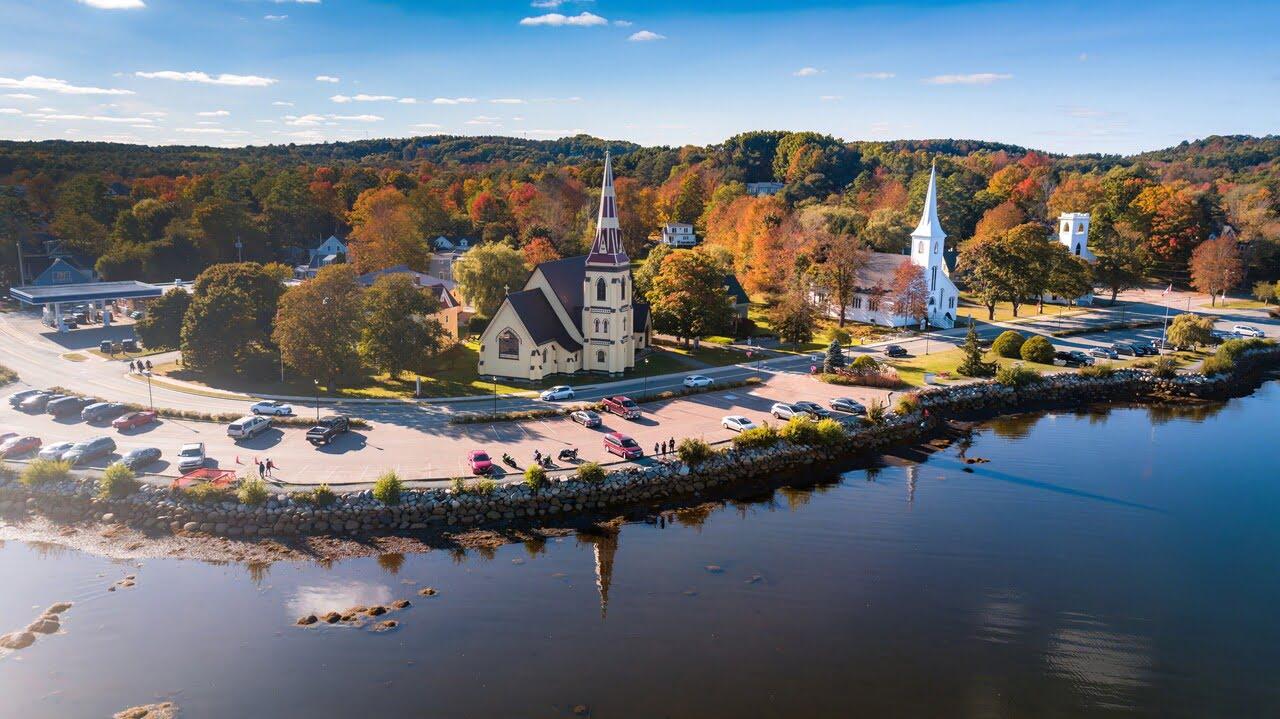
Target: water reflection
column 1105, row 665
column 1016, row 426
column 336, row 596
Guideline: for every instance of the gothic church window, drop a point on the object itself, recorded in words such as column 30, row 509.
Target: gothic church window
column 508, row 345
column 600, row 290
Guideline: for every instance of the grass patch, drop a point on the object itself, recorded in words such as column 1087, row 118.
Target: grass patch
column 1004, row 311
column 207, row 493
column 74, row 357
column 591, row 472
column 1107, row 327
column 942, row 365
column 1236, row 305
column 44, row 471
column 321, row 496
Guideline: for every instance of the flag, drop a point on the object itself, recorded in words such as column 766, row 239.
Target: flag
column 1167, row 290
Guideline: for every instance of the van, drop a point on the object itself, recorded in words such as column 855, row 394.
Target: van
column 248, row 427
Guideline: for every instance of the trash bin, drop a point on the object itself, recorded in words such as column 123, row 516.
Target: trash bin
column 131, row 345
column 105, row 346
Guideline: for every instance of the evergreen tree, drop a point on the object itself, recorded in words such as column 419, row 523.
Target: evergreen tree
column 973, row 365
column 834, row 359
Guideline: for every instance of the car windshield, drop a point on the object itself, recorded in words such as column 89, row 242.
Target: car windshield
column 189, row 452
column 481, row 457
column 628, row 442
column 628, row 403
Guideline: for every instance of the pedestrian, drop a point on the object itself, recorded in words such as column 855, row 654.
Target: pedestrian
column 655, row 449
column 148, row 365
column 262, row 469
column 672, row 445
column 132, row 367
column 270, row 468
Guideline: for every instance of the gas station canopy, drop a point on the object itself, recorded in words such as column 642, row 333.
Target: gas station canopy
column 86, row 292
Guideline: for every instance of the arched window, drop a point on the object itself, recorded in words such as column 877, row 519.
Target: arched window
column 508, row 345
column 600, row 290
column 597, row 324
column 600, row 356
column 1066, row 227
column 935, row 248
column 933, row 278
column 951, row 302
column 624, row 288
column 1080, row 227
column 1077, row 249
column 606, row 326
column 921, row 247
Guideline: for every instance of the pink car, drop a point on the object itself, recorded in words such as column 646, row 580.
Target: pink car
column 479, row 461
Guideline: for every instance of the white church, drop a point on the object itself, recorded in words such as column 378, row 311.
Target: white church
column 872, row 301
column 1073, row 233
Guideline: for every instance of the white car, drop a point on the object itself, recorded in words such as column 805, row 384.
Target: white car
column 248, row 427
column 782, row 410
column 697, row 380
column 191, row 456
column 562, row 391
column 273, row 408
column 737, row 423
column 1248, row 331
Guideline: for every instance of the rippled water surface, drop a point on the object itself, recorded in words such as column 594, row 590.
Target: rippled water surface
column 1125, row 562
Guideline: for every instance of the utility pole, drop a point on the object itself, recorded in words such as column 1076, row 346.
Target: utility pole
column 239, row 249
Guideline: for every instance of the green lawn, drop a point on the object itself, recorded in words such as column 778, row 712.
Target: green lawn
column 126, row 355
column 970, row 307
column 1236, row 305
column 913, row 369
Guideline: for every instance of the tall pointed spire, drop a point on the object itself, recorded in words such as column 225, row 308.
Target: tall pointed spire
column 929, row 225
column 606, row 249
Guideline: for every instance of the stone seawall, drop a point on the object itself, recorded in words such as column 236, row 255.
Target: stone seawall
column 159, row 509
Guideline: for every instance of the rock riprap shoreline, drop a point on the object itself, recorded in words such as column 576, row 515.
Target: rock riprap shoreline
column 160, row 510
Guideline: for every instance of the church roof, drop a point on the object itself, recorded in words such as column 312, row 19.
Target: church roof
column 734, row 288
column 540, row 319
column 606, row 249
column 566, row 277
column 929, row 226
column 640, row 316
column 879, row 271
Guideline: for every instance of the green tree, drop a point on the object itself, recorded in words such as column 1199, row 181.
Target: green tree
column 261, row 288
column 688, row 297
column 1190, row 330
column 218, row 330
column 838, row 260
column 794, row 317
column 834, row 359
column 161, row 326
column 399, row 333
column 643, row 276
column 973, row 364
column 1266, row 292
column 1070, row 276
column 1038, row 349
column 486, row 273
column 1123, row 258
column 318, row 326
column 690, row 199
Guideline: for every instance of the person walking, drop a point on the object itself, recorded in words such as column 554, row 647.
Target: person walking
column 262, row 469
column 673, row 445
column 655, row 450
column 271, row 466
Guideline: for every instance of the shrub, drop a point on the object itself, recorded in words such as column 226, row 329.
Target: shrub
column 1097, row 370
column 875, row 412
column 43, row 471
column 1164, row 367
column 207, row 493
column 1224, row 358
column 1038, row 349
column 692, row 450
column 484, row 486
column 864, row 363
column 883, row 377
column 834, row 359
column 1008, row 344
column 387, row 488
column 252, row 492
column 117, row 481
column 830, row 432
column 760, row 437
column 1190, row 330
column 591, row 472
column 321, row 496
column 839, row 335
column 7, row 376
column 1017, row 376
column 458, row 485
column 907, row 404
column 800, row 430
column 535, row 477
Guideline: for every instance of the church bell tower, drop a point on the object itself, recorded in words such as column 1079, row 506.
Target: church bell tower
column 607, row 327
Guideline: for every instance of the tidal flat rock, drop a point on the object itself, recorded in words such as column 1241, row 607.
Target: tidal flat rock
column 307, row 620
column 44, row 625
column 163, row 710
column 331, row 617
column 401, row 604
column 58, row 608
column 376, row 610
column 386, row 625
column 427, row 592
column 17, row 640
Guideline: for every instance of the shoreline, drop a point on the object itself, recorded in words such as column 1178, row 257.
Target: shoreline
column 154, row 522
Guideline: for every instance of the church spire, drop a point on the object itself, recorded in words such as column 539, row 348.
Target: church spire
column 929, row 225
column 606, row 249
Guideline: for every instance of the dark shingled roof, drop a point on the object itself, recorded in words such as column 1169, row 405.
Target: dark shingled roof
column 734, row 287
column 566, row 277
column 639, row 316
column 540, row 319
column 879, row 271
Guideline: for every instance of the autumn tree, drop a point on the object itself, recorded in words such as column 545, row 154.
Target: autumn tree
column 910, row 292
column 688, row 203
column 1001, row 218
column 838, row 260
column 539, row 250
column 1070, row 277
column 385, row 232
column 487, row 273
column 318, row 326
column 161, row 326
column 989, row 271
column 793, row 317
column 399, row 332
column 1216, row 266
column 1123, row 258
column 1173, row 217
column 643, row 275
column 688, row 298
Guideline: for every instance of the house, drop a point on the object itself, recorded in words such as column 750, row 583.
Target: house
column 678, row 234
column 741, row 302
column 63, row 271
column 872, row 300
column 444, row 244
column 764, row 189
column 450, row 315
column 576, row 314
column 331, row 251
column 1073, row 233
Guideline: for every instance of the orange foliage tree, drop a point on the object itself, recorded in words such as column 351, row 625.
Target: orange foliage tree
column 384, row 232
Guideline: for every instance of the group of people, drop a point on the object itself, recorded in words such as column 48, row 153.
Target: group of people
column 662, row 449
column 265, row 468
column 137, row 366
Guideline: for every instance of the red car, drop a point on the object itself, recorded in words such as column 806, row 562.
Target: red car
column 133, row 420
column 18, row 446
column 622, row 445
column 479, row 461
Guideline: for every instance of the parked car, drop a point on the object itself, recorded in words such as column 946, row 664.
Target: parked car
column 559, row 392
column 133, row 420
column 586, row 418
column 129, row 344
column 1248, row 331
column 622, row 445
column 18, row 446
column 18, row 398
column 812, row 408
column 1124, row 348
column 1142, row 349
column 697, row 380
column 1103, row 353
column 845, row 404
column 135, row 315
column 55, row 451
column 328, row 430
column 248, row 427
column 273, row 408
column 141, row 458
column 622, row 406
column 37, row 402
column 479, row 462
column 66, row 406
column 895, row 351
column 191, row 456
column 101, row 411
column 89, row 449
column 105, row 347
column 737, row 423
column 1072, row 358
column 784, row 410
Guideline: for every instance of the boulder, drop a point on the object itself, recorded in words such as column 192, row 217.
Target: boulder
column 17, row 640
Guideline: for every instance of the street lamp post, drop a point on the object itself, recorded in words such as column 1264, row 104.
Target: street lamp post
column 316, row 384
column 646, row 378
column 150, row 399
column 495, row 394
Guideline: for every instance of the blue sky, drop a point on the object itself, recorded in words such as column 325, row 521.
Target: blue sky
column 1066, row 77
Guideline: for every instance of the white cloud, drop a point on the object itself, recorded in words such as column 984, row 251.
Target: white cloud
column 154, row 113
column 408, row 101
column 303, row 120
column 428, row 125
column 63, row 117
column 213, row 113
column 507, row 101
column 484, row 120
column 453, row 101
column 977, row 78
column 646, row 36
column 356, row 118
column 876, row 75
column 62, row 87
column 622, row 23
column 210, row 131
column 806, row 72
column 10, row 111
column 555, row 19
column 275, row 18
column 327, row 78
column 114, row 4
column 207, row 79
column 830, row 98
column 552, row 4
column 19, row 96
column 282, row 103
column 362, row 98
